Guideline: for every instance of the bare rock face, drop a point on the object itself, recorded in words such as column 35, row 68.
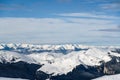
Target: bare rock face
column 117, row 50
column 112, row 67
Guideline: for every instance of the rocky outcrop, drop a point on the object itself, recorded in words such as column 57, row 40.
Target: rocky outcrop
column 112, row 67
column 117, row 50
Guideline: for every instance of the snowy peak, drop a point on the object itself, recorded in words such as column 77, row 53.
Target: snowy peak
column 66, row 63
column 13, row 57
column 99, row 54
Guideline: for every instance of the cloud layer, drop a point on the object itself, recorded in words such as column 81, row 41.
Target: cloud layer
column 60, row 29
column 88, row 15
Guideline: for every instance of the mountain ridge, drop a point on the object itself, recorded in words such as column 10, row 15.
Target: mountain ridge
column 53, row 63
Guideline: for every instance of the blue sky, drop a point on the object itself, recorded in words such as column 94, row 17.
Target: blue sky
column 89, row 22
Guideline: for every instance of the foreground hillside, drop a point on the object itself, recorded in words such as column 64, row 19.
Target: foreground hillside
column 109, row 77
column 58, row 62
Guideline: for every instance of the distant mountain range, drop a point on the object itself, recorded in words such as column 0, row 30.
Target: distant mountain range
column 58, row 62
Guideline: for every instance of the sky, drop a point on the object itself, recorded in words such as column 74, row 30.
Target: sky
column 89, row 22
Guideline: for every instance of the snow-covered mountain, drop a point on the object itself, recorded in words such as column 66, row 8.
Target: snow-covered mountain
column 29, row 48
column 109, row 77
column 58, row 62
column 66, row 63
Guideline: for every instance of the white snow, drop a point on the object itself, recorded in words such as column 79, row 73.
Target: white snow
column 4, row 78
column 7, row 56
column 66, row 63
column 43, row 47
column 44, row 58
column 54, row 47
column 58, row 63
column 109, row 77
column 1, row 47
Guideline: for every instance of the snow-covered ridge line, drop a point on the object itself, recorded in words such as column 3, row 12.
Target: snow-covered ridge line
column 44, row 47
column 29, row 48
column 66, row 48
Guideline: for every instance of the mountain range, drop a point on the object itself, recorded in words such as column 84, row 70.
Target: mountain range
column 58, row 62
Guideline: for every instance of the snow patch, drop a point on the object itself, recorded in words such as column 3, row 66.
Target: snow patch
column 4, row 78
column 109, row 77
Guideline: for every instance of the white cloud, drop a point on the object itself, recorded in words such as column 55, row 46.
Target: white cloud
column 51, row 30
column 90, row 21
column 87, row 15
column 9, row 25
column 111, row 6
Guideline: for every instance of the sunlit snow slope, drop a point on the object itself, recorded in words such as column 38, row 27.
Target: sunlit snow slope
column 109, row 77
